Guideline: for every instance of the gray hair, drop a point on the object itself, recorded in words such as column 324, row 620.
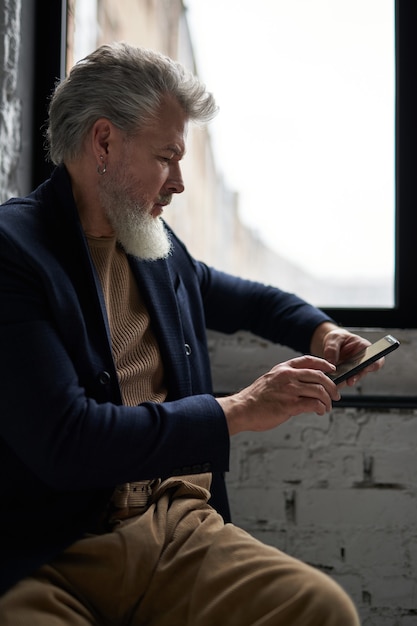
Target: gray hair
column 125, row 84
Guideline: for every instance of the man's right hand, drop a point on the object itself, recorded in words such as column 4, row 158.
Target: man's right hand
column 297, row 386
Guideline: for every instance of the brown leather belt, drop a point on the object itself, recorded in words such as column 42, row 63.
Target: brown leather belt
column 135, row 494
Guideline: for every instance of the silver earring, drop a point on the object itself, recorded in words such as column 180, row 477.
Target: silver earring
column 104, row 169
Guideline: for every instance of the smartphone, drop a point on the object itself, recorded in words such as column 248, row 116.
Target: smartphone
column 364, row 358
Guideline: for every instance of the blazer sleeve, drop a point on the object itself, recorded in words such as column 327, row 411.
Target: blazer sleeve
column 232, row 303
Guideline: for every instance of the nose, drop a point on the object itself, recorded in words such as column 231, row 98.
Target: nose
column 175, row 183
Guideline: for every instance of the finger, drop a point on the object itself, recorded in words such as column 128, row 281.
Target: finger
column 309, row 362
column 311, row 398
column 321, row 383
column 373, row 367
column 334, row 343
column 342, row 345
column 311, row 404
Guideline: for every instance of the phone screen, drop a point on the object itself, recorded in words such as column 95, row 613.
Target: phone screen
column 358, row 362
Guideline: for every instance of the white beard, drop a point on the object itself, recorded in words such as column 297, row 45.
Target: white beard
column 140, row 234
column 137, row 231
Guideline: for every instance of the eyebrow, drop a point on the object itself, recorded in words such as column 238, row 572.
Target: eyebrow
column 175, row 149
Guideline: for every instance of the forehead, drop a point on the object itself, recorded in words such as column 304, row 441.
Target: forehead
column 169, row 128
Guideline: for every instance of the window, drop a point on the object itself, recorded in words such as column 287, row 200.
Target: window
column 306, row 135
column 400, row 310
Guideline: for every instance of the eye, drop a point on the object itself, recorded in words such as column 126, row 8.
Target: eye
column 166, row 159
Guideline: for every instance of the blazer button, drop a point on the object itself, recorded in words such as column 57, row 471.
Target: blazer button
column 187, row 349
column 104, row 378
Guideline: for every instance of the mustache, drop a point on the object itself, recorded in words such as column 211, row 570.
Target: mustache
column 165, row 199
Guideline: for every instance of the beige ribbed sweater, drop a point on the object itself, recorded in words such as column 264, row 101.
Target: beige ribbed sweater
column 135, row 350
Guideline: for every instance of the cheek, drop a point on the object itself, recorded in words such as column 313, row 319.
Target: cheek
column 149, row 179
column 143, row 178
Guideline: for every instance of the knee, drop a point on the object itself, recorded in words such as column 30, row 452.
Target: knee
column 327, row 603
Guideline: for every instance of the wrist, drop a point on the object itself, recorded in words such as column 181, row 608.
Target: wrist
column 319, row 336
column 232, row 410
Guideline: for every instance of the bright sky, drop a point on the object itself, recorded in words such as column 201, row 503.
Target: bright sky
column 305, row 131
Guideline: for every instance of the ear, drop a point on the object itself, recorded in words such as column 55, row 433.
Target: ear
column 100, row 135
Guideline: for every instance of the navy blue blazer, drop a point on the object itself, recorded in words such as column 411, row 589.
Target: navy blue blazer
column 66, row 439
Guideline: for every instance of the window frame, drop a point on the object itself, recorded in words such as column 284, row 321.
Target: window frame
column 49, row 66
column 50, row 25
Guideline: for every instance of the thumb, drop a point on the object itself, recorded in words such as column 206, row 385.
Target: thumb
column 332, row 346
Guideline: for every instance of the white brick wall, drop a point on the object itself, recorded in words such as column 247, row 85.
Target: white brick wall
column 338, row 491
column 10, row 104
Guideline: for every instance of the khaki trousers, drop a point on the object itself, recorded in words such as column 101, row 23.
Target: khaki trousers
column 177, row 564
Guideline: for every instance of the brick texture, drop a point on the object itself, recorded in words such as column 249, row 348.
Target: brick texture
column 337, row 491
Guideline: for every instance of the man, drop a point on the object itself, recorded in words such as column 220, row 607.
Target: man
column 111, row 439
